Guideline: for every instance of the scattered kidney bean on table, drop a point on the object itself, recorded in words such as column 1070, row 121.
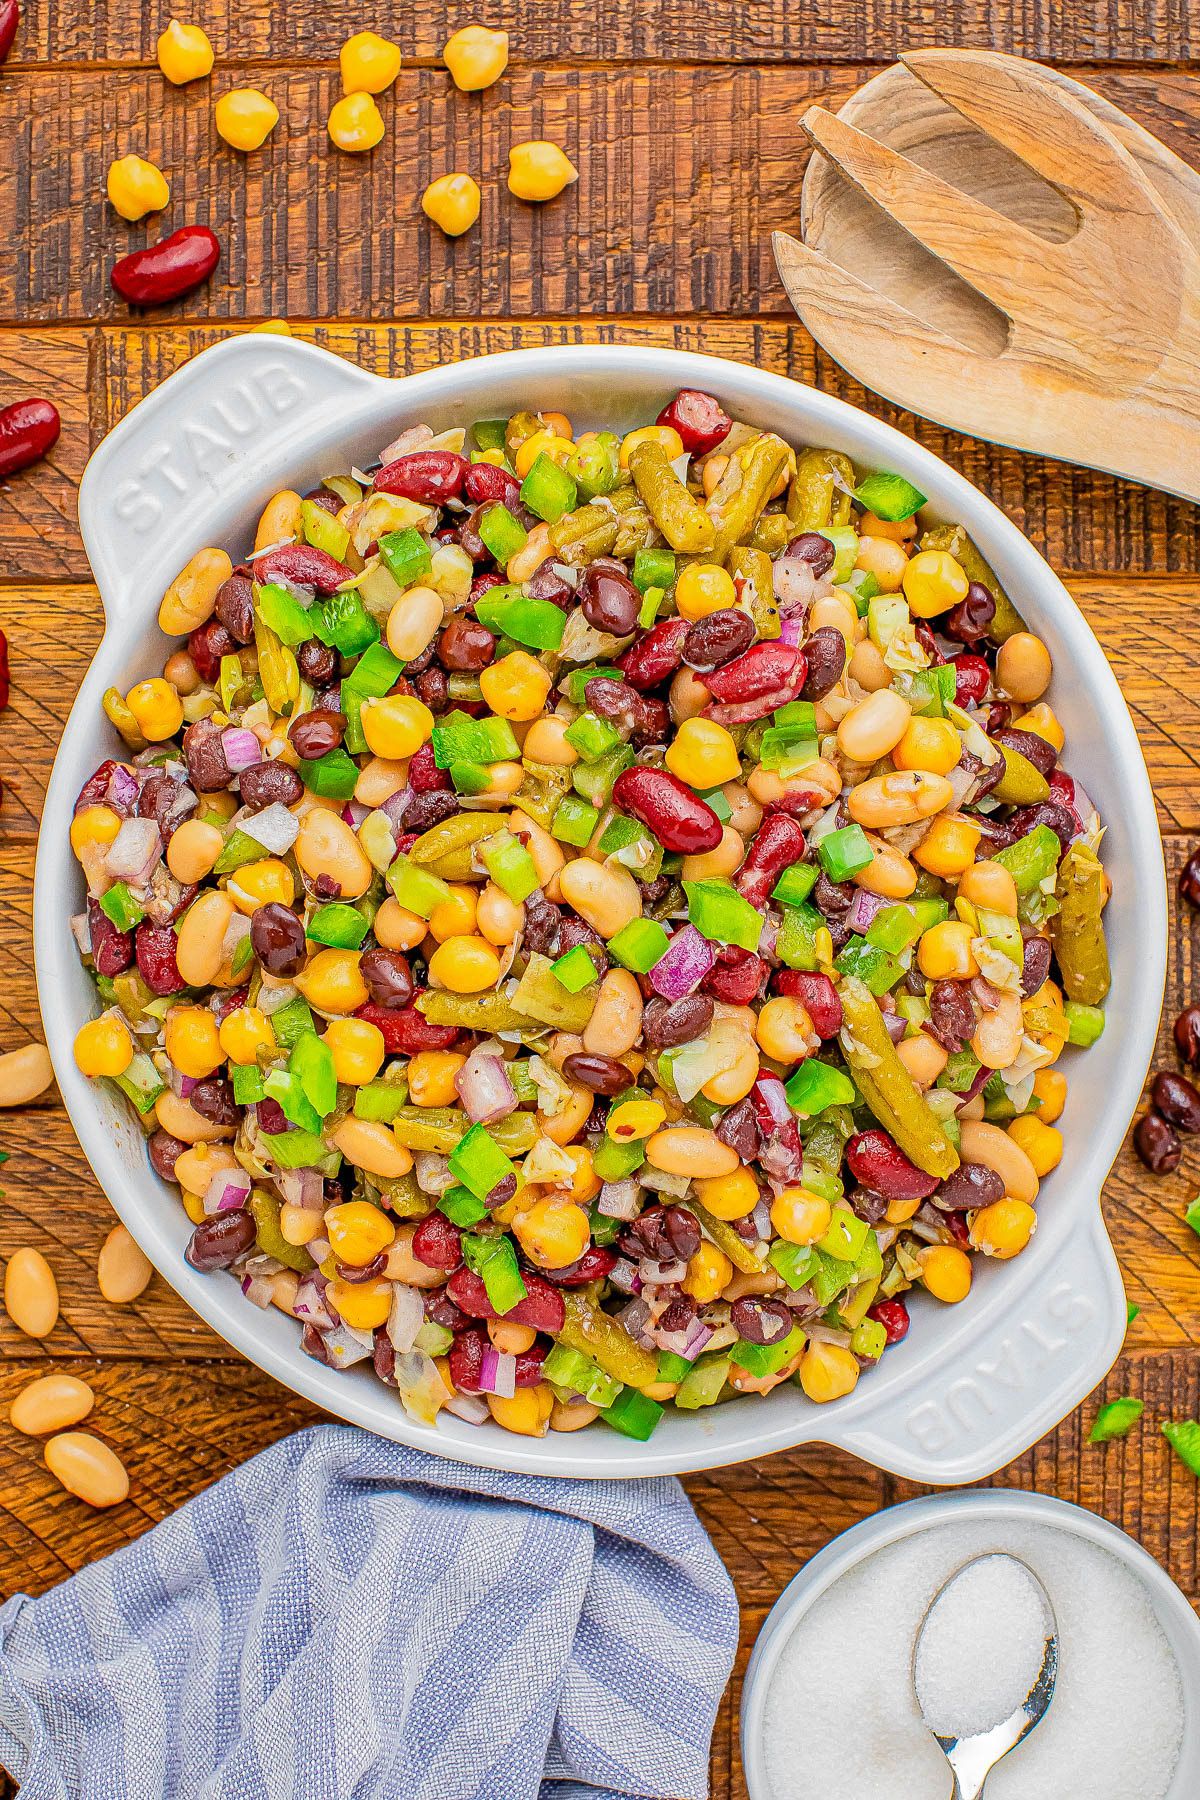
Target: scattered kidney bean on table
column 588, row 921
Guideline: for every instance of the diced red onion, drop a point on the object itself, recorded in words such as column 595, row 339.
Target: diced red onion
column 133, row 852
column 962, row 781
column 794, row 583
column 275, row 828
column 267, row 549
column 791, row 630
column 257, row 1290
column 982, row 1076
column 186, row 1084
column 81, row 931
column 896, row 1024
column 683, row 965
column 406, row 1317
column 344, row 1346
column 301, row 1187
column 826, row 1334
column 353, row 813
column 484, row 1088
column 619, row 1199
column 309, row 1303
column 760, row 1218
column 237, row 929
column 634, row 1317
column 320, row 1249
column 624, row 1276
column 768, row 937
column 468, row 1407
column 411, row 438
column 395, row 807
column 433, row 1171
column 498, row 1374
column 768, row 1090
column 661, row 1274
column 242, row 749
column 863, row 908
column 566, row 573
column 123, row 788
column 227, row 1191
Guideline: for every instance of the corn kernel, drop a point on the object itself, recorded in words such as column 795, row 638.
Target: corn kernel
column 708, row 1271
column 465, row 965
column 703, row 754
column 103, row 1047
column 431, row 1077
column 552, row 1232
column 934, row 581
column 273, row 327
column 94, row 825
column 396, row 726
column 156, row 707
column 1042, row 720
column 946, row 1272
column 245, row 118
column 191, row 1041
column 475, row 57
column 728, row 1196
column 369, row 63
column 799, row 1216
column 136, row 187
column 704, row 588
column 184, row 53
column 539, row 171
column 634, row 1120
column 358, row 1231
column 1042, row 1144
column 542, row 443
column 363, row 1305
column 261, row 884
column 355, row 123
column 244, row 1033
column 452, row 202
column 358, row 1050
column 1004, row 1228
column 331, row 981
column 515, row 687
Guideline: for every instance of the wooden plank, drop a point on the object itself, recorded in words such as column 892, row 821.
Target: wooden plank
column 661, row 221
column 38, row 525
column 734, row 30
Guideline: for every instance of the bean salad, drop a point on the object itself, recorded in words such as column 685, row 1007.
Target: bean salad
column 588, row 924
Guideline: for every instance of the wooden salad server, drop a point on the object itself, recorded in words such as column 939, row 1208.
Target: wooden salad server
column 1019, row 261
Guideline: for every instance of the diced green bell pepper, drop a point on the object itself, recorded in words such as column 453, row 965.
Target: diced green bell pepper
column 494, row 1260
column 337, row 924
column 335, row 775
column 119, row 905
column 578, row 1374
column 343, row 621
column 721, row 915
column 457, row 737
column 489, row 433
column 322, row 530
column 380, row 1101
column 548, row 490
column 1115, row 1419
column 578, row 679
column 879, row 970
column 796, row 884
column 575, row 970
column 796, row 945
column 501, row 533
column 415, row 888
column 633, row 1414
column 1184, row 1439
column 767, row 1359
column 1084, row 1023
column 510, row 866
column 816, row 1085
column 282, row 613
column 141, row 1082
column 247, row 1083
column 302, row 1150
column 462, row 1207
column 613, row 1161
column 240, row 848
column 478, row 1162
column 574, row 821
column 1031, row 859
column 869, row 1339
column 672, row 1368
column 591, row 736
column 843, row 853
column 285, row 1087
column 639, row 945
column 291, row 1021
column 595, row 780
column 890, row 497
column 538, row 624
column 311, row 1062
column 702, row 1384
column 653, row 567
column 407, row 555
column 845, row 1237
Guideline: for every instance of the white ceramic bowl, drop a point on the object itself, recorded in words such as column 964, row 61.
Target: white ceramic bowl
column 1000, row 1509
column 973, row 1385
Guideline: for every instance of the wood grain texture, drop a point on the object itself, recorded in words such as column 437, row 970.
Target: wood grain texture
column 661, row 221
column 38, row 527
column 653, row 30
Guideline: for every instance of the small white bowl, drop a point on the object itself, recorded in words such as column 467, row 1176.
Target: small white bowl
column 972, row 1386
column 1001, row 1508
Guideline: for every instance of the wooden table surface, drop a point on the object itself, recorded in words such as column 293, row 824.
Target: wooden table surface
column 684, row 130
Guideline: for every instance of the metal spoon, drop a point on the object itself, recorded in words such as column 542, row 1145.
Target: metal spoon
column 973, row 1758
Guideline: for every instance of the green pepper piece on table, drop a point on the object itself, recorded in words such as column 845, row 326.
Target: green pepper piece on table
column 1114, row 1419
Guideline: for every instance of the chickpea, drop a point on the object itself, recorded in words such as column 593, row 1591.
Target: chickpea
column 516, row 687
column 465, row 964
column 1004, row 1228
column 1023, row 667
column 332, row 981
column 827, row 1372
column 355, row 123
column 724, row 860
column 369, row 64
column 568, row 1123
column 688, row 696
column 934, row 581
column 379, row 779
column 396, row 928
column 511, row 1340
column 476, row 57
column 990, row 885
column 103, row 1047
column 245, row 118
column 184, row 53
column 546, row 742
column 868, row 668
column 552, row 1232
column 499, row 919
column 181, row 672
column 703, row 754
column 453, row 203
column 455, row 915
column 136, row 187
column 883, row 558
column 800, row 1217
column 262, row 884
column 539, row 171
column 923, row 1057
column 707, row 1273
column 734, row 1082
column 572, row 1417
column 784, row 1029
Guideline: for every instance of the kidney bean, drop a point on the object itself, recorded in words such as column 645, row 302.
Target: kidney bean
column 602, row 1074
column 235, row 607
column 593, row 1265
column 760, row 670
column 1189, row 880
column 876, row 1159
column 271, row 1118
column 213, row 1100
column 94, row 791
column 893, row 1316
column 441, row 1309
column 666, row 1023
column 866, row 1204
column 484, row 483
column 1028, row 744
column 314, row 734
column 739, row 1129
column 1177, row 1100
column 968, row 622
column 760, row 1319
column 492, row 578
column 825, row 653
column 437, row 1243
column 10, row 18
column 383, row 1356
column 424, row 811
column 735, row 977
column 207, row 645
column 28, row 430
column 465, row 1358
column 818, row 996
column 610, row 601
column 217, row 1243
column 168, row 269
column 303, row 565
column 655, row 656
column 428, row 476
column 951, row 1014
column 1036, row 965
column 639, row 719
column 204, row 754
column 574, row 931
column 164, row 1152
column 1187, row 1036
column 469, row 539
column 972, row 678
column 277, row 938
column 1156, row 1144
column 544, row 584
column 699, row 419
column 1060, row 819
column 160, row 797
column 112, row 950
column 814, row 548
column 542, row 1308
column 969, row 1186
column 679, row 819
column 265, row 783
column 465, row 644
column 327, row 501
column 662, row 1234
column 154, row 948
column 405, row 1030
column 717, row 639
column 776, row 845
column 388, row 977
column 230, row 1003
column 313, row 1344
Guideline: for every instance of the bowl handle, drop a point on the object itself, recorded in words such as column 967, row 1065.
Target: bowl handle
column 1002, row 1391
column 187, row 451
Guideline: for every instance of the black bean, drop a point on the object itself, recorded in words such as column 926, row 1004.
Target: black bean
column 1028, row 744
column 610, row 601
column 264, row 783
column 204, row 754
column 970, row 1185
column 602, row 1074
column 1177, row 1100
column 465, row 644
column 739, row 1130
column 1036, row 965
column 951, row 1015
column 814, row 548
column 760, row 1319
column 662, row 1234
column 1187, row 1036
column 433, row 689
column 1157, row 1144
column 666, row 1023
column 165, row 1152
column 426, row 810
column 213, row 1100
column 1189, row 880
column 717, row 638
column 545, row 584
column 388, row 977
column 235, row 607
column 826, row 655
column 277, row 938
column 969, row 620
column 314, row 734
column 316, row 661
column 217, row 1243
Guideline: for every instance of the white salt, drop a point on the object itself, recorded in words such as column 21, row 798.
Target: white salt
column 842, row 1720
column 981, row 1648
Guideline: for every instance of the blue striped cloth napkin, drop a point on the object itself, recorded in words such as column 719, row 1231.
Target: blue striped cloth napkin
column 344, row 1618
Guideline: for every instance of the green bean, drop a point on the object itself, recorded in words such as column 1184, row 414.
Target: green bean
column 404, row 1198
column 734, row 510
column 474, row 1012
column 1022, row 784
column 955, row 539
column 772, row 533
column 681, row 519
column 814, row 498
column 440, row 1128
column 1078, row 929
column 541, row 790
column 118, row 714
column 264, row 1209
column 885, row 1083
column 277, row 668
column 446, row 847
column 758, row 593
column 593, row 1333
column 585, row 534
column 522, row 425
column 542, row 995
column 726, row 1238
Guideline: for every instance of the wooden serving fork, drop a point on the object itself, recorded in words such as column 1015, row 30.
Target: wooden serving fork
column 1100, row 359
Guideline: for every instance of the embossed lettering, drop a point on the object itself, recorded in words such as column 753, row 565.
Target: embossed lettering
column 157, row 461
column 205, row 444
column 135, row 507
column 929, row 1426
column 957, row 1397
column 281, row 388
column 1070, row 1310
column 242, row 424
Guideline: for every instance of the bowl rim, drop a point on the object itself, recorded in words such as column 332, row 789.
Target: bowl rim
column 892, row 1525
column 855, row 1423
